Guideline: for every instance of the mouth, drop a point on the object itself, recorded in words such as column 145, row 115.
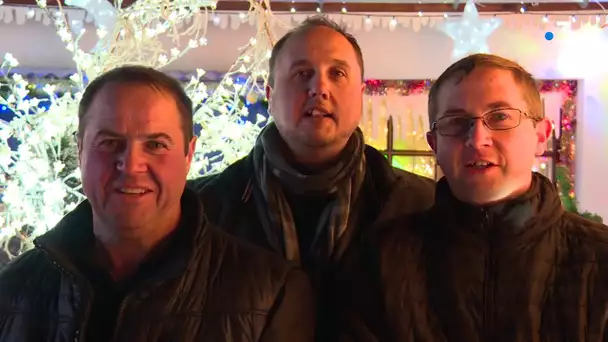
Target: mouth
column 133, row 191
column 479, row 164
column 318, row 113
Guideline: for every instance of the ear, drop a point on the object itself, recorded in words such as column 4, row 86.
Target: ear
column 363, row 86
column 191, row 148
column 269, row 91
column 543, row 130
column 431, row 139
column 79, row 144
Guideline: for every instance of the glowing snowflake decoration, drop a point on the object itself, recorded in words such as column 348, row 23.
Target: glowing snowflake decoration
column 469, row 32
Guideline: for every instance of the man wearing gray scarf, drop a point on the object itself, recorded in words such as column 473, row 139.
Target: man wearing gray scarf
column 311, row 188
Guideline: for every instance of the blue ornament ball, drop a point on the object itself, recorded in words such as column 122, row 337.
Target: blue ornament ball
column 549, row 36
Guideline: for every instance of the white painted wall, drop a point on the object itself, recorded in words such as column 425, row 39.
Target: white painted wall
column 405, row 54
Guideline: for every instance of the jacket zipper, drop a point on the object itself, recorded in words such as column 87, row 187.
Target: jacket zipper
column 489, row 281
column 125, row 302
column 121, row 310
column 79, row 334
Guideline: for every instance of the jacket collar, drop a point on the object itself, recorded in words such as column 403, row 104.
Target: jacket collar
column 379, row 174
column 527, row 215
column 74, row 234
column 384, row 193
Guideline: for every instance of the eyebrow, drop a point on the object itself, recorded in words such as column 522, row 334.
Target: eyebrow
column 499, row 104
column 304, row 62
column 151, row 136
column 491, row 106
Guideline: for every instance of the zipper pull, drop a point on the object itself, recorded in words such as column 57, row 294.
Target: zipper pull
column 485, row 222
column 485, row 213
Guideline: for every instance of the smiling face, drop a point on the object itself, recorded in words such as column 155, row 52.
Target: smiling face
column 510, row 153
column 316, row 98
column 132, row 157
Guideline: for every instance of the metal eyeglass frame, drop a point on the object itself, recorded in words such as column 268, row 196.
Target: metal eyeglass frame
column 482, row 118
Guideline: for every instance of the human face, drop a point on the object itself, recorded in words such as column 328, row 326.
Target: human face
column 316, row 99
column 133, row 140
column 511, row 152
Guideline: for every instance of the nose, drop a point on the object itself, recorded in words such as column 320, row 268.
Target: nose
column 318, row 87
column 131, row 160
column 479, row 135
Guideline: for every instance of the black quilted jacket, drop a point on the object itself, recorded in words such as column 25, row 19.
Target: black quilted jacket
column 387, row 193
column 523, row 271
column 212, row 289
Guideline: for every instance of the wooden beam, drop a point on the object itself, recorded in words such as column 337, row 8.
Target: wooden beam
column 336, row 7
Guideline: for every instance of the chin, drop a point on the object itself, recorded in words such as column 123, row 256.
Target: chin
column 129, row 221
column 476, row 193
column 317, row 140
column 480, row 200
column 484, row 197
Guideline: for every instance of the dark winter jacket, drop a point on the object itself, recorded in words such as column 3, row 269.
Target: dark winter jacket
column 207, row 286
column 387, row 193
column 520, row 271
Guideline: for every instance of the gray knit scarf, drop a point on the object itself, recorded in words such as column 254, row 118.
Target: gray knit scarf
column 342, row 181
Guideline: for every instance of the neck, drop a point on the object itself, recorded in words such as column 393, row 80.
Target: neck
column 316, row 159
column 120, row 250
column 498, row 197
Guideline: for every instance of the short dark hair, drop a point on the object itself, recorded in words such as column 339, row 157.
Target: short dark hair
column 310, row 23
column 466, row 65
column 135, row 74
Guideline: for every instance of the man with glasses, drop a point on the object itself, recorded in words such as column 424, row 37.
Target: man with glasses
column 496, row 258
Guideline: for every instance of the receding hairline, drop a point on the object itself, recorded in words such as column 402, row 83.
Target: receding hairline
column 156, row 86
column 113, row 86
column 463, row 68
column 308, row 30
column 305, row 27
column 460, row 75
column 139, row 76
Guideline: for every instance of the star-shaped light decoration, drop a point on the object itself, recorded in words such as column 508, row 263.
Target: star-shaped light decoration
column 469, row 32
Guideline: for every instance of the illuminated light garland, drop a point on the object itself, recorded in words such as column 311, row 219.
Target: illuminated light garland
column 567, row 145
column 40, row 181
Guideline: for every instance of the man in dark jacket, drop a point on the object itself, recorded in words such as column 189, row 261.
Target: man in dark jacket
column 496, row 258
column 310, row 184
column 138, row 261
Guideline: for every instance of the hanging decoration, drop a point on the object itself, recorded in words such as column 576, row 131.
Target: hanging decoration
column 469, row 32
column 102, row 11
column 355, row 21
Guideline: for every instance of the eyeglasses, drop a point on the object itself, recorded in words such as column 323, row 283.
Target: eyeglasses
column 497, row 120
